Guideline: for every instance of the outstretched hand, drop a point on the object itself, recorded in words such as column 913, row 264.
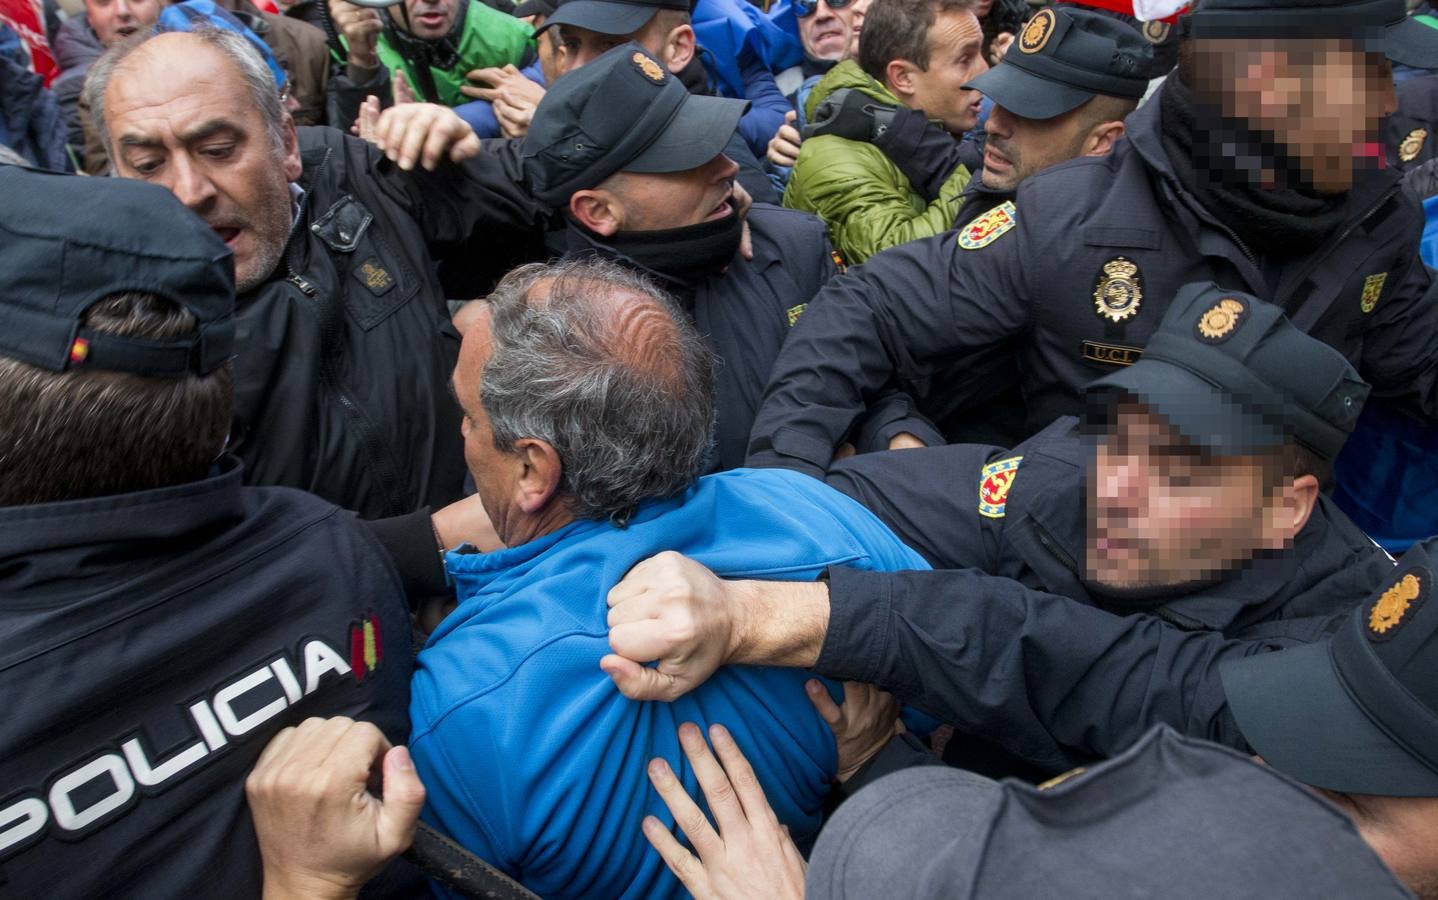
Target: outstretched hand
column 751, row 855
column 423, row 133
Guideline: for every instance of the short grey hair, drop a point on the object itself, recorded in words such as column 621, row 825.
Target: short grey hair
column 629, row 423
column 258, row 78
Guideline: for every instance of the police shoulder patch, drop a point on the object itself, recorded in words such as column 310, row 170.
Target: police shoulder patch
column 1396, row 605
column 994, row 483
column 1372, row 290
column 989, row 227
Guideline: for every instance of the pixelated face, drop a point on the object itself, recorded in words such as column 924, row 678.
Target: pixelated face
column 955, row 58
column 1017, row 147
column 179, row 115
column 828, row 33
column 114, row 20
column 1163, row 512
column 1321, row 100
column 657, row 201
column 1403, row 831
column 429, row 20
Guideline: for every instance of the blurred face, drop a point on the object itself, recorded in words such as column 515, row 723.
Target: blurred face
column 428, row 20
column 115, row 20
column 652, row 202
column 828, row 33
column 1322, row 100
column 179, row 115
column 1403, row 831
column 1163, row 513
column 955, row 58
column 1017, row 147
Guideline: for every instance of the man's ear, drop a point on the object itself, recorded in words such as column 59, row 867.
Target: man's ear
column 900, row 77
column 598, row 210
column 678, row 48
column 291, row 163
column 1100, row 139
column 538, row 481
column 1290, row 510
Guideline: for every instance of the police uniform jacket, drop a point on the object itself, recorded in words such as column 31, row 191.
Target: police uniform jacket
column 746, row 311
column 1035, row 659
column 345, row 353
column 1072, row 279
column 155, row 642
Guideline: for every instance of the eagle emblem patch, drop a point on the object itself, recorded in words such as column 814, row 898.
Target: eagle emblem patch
column 989, row 227
column 994, row 483
column 1119, row 290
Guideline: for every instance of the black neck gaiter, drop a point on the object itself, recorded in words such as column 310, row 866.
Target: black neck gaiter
column 684, row 256
column 1244, row 179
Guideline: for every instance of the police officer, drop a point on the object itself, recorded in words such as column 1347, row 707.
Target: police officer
column 1091, row 591
column 1357, row 716
column 162, row 622
column 1074, row 277
column 638, row 165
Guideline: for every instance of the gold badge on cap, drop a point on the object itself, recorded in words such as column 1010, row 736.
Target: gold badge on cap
column 1037, row 32
column 994, row 483
column 1221, row 320
column 1119, row 290
column 989, row 227
column 1372, row 290
column 647, row 67
column 1412, row 145
column 1156, row 32
column 1394, row 603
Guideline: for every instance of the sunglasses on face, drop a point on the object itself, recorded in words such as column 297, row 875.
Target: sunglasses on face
column 805, row 8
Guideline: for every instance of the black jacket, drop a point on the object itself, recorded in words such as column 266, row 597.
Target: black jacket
column 345, row 353
column 155, row 642
column 1033, row 659
column 1029, row 292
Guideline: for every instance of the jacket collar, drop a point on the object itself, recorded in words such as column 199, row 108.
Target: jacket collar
column 108, row 539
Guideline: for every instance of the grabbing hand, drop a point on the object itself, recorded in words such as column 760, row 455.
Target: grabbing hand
column 862, row 726
column 360, row 27
column 322, row 834
column 425, row 133
column 851, row 115
column 752, row 855
column 671, row 609
column 513, row 97
column 784, row 145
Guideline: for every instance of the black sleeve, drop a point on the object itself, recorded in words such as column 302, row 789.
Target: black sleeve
column 1053, row 681
column 409, row 541
column 925, row 153
column 344, row 95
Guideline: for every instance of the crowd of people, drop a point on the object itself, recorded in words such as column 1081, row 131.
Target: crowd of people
column 914, row 447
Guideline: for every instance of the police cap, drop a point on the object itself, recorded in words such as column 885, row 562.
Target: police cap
column 1358, row 713
column 67, row 242
column 624, row 112
column 611, row 16
column 1062, row 58
column 1380, row 26
column 1231, row 373
column 1169, row 817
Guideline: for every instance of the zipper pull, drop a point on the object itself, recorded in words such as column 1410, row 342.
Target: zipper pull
column 305, row 286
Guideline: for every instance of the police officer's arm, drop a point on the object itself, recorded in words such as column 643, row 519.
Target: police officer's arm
column 888, row 320
column 1400, row 350
column 1054, row 681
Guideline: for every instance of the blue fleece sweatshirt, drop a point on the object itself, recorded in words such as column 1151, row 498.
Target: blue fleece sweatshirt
column 533, row 759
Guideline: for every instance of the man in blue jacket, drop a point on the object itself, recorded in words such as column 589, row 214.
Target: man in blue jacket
column 588, row 412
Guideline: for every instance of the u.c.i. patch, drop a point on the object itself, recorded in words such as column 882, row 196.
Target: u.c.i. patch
column 994, row 483
column 988, row 227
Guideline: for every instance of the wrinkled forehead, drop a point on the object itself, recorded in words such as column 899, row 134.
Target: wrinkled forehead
column 177, row 77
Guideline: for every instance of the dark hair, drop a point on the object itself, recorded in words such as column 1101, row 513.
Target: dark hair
column 899, row 29
column 628, row 423
column 91, row 433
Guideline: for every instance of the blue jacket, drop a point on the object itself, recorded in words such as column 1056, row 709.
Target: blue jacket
column 531, row 757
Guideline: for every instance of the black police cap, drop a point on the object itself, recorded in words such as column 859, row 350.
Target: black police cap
column 623, row 112
column 1380, row 26
column 611, row 16
column 1062, row 58
column 67, row 242
column 1231, row 373
column 1357, row 713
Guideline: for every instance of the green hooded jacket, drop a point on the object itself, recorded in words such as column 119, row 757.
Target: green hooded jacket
column 490, row 38
column 862, row 196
